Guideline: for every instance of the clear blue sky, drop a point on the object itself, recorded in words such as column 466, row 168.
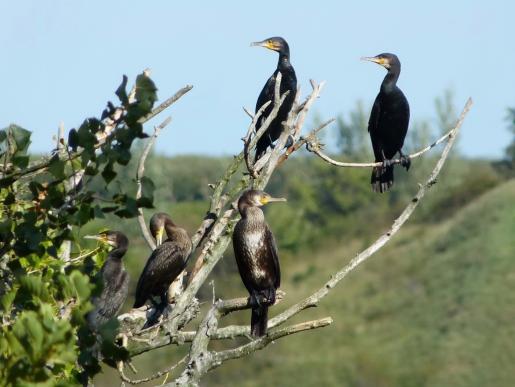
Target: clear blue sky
column 63, row 59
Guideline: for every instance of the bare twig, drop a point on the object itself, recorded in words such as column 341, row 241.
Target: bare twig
column 313, row 145
column 303, row 140
column 274, row 335
column 248, row 112
column 170, row 101
column 155, row 376
column 139, row 175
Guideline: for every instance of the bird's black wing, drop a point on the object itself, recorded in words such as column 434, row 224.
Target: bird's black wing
column 165, row 262
column 272, row 246
column 373, row 121
column 267, row 94
column 108, row 304
column 373, row 128
column 402, row 122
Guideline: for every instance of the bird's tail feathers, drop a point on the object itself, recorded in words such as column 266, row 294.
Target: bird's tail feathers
column 382, row 178
column 259, row 321
column 154, row 318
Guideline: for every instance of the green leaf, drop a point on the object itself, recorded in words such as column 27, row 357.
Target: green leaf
column 85, row 138
column 130, row 210
column 145, row 92
column 108, row 173
column 7, row 300
column 81, row 284
column 56, row 167
column 21, row 137
column 20, row 161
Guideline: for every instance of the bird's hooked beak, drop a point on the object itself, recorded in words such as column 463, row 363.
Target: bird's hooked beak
column 100, row 237
column 270, row 199
column 159, row 236
column 380, row 61
column 267, row 43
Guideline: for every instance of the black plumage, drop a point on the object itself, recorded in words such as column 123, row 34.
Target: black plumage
column 115, row 280
column 165, row 263
column 288, row 83
column 388, row 123
column 256, row 256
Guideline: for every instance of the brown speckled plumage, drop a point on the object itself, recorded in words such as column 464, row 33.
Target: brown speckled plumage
column 257, row 259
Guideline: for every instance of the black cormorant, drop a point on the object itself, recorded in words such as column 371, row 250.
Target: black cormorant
column 388, row 123
column 165, row 263
column 288, row 83
column 256, row 255
column 115, row 280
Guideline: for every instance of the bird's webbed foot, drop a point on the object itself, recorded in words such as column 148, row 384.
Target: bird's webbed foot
column 405, row 161
column 289, row 141
column 387, row 163
column 268, row 296
column 264, row 297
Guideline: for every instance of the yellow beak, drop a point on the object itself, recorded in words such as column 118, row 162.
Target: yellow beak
column 269, row 199
column 379, row 61
column 266, row 44
column 96, row 237
column 159, row 236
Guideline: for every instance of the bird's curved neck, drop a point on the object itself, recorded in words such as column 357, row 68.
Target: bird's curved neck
column 251, row 212
column 118, row 252
column 284, row 60
column 390, row 80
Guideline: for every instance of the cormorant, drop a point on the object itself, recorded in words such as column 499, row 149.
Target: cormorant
column 114, row 278
column 288, row 83
column 256, row 256
column 388, row 123
column 165, row 263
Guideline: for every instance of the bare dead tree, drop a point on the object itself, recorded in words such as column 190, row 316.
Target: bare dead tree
column 214, row 235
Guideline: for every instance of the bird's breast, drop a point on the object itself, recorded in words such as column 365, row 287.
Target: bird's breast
column 253, row 251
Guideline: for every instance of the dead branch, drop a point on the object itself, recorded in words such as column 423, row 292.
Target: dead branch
column 166, row 104
column 210, row 360
column 314, row 145
column 139, row 175
column 148, row 379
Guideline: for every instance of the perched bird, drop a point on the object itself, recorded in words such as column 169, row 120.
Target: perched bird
column 256, row 256
column 115, row 280
column 388, row 123
column 165, row 263
column 288, row 83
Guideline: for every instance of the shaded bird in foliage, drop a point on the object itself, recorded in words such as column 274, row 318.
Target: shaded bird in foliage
column 114, row 278
column 256, row 256
column 288, row 83
column 164, row 265
column 388, row 123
